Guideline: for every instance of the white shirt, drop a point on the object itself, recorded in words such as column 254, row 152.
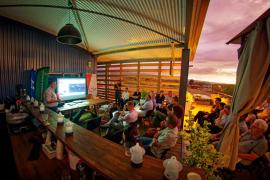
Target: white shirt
column 167, row 138
column 250, row 145
column 154, row 101
column 169, row 99
column 148, row 105
column 130, row 116
column 125, row 95
column 50, row 95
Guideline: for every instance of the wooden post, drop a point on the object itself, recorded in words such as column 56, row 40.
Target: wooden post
column 184, row 78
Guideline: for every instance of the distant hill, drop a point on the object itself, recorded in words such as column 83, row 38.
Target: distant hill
column 211, row 87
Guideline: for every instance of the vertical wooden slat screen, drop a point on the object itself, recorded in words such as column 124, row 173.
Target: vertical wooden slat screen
column 113, row 75
column 102, row 80
column 23, row 47
column 148, row 76
column 168, row 82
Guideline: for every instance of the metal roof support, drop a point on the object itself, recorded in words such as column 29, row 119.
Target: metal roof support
column 78, row 17
column 184, row 78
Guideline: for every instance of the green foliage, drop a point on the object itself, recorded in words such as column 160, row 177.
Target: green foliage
column 144, row 94
column 228, row 89
column 202, row 154
column 85, row 117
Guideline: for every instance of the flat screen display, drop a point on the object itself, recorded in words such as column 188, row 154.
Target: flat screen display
column 71, row 88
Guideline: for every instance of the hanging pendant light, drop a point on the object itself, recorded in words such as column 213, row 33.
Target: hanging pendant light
column 69, row 34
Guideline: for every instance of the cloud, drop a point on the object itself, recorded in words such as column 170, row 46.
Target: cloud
column 214, row 59
column 214, row 71
column 202, row 70
column 214, row 78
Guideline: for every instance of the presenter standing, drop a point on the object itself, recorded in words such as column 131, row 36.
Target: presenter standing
column 117, row 88
column 50, row 98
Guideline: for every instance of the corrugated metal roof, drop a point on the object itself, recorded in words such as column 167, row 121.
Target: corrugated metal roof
column 167, row 18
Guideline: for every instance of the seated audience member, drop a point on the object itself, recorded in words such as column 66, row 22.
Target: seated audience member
column 153, row 98
column 124, row 97
column 160, row 116
column 112, row 108
column 50, row 98
column 129, row 116
column 117, row 88
column 214, row 114
column 251, row 117
column 150, row 132
column 222, row 120
column 160, row 98
column 216, row 106
column 137, row 95
column 169, row 98
column 175, row 101
column 147, row 106
column 265, row 106
column 253, row 144
column 130, row 137
column 242, row 125
column 178, row 111
column 162, row 108
column 164, row 139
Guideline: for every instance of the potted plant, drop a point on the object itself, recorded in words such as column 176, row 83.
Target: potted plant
column 200, row 152
column 143, row 96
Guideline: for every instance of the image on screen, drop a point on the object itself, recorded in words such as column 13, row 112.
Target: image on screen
column 71, row 88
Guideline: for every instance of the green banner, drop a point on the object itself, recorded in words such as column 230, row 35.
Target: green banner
column 41, row 82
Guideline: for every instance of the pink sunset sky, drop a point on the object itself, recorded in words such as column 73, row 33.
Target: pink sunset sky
column 215, row 61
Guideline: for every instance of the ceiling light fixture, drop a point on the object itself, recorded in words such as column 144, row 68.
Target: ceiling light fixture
column 69, row 34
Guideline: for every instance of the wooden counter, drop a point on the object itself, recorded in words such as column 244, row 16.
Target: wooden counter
column 101, row 154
